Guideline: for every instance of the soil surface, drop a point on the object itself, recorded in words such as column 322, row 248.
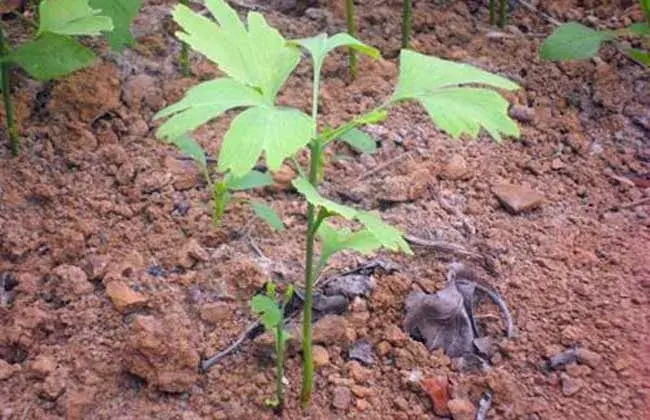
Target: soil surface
column 115, row 283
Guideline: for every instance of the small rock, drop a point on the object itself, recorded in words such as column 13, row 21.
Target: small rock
column 191, row 253
column 150, row 182
column 522, row 113
column 361, row 351
column 485, row 346
column 516, row 198
column 361, row 391
column 461, row 409
column 358, row 373
column 384, row 348
column 42, row 367
column 7, row 370
column 215, row 312
column 331, row 330
column 455, row 169
column 557, row 164
column 351, row 286
column 185, row 173
column 438, row 391
column 75, row 279
column 362, row 405
column 401, row 404
column 321, row 356
column 341, row 398
column 570, row 386
column 395, row 335
column 589, row 358
column 123, row 297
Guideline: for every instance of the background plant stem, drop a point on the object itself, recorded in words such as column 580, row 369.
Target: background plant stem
column 503, row 13
column 493, row 12
column 407, row 23
column 352, row 30
column 12, row 132
column 314, row 169
column 279, row 363
column 184, row 59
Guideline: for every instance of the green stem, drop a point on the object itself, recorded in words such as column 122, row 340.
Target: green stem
column 279, row 363
column 314, row 169
column 6, row 95
column 184, row 59
column 407, row 23
column 503, row 8
column 352, row 30
column 493, row 12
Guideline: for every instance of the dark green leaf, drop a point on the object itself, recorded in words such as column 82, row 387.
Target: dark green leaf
column 71, row 17
column 267, row 214
column 122, row 12
column 573, row 41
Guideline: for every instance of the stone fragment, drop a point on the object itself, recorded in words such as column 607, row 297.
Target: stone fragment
column 589, row 358
column 570, row 386
column 321, row 356
column 455, row 169
column 123, row 297
column 522, row 113
column 341, row 398
column 215, row 312
column 331, row 330
column 517, row 198
column 461, row 409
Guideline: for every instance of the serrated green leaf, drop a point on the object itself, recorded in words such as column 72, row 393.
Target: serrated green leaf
column 573, row 41
column 268, row 310
column 305, row 188
column 278, row 132
column 320, row 45
column 334, row 240
column 639, row 28
column 51, row 56
column 640, row 55
column 267, row 214
column 439, row 86
column 253, row 179
column 360, row 140
column 190, row 148
column 122, row 13
column 71, row 17
column 203, row 103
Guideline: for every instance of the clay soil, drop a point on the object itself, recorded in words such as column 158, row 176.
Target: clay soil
column 116, row 282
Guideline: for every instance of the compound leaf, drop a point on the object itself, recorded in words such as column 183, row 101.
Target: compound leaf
column 360, row 140
column 253, row 179
column 439, row 86
column 573, row 41
column 268, row 309
column 71, row 17
column 51, row 56
column 122, row 13
column 278, row 132
column 320, row 45
column 190, row 148
column 204, row 102
column 267, row 214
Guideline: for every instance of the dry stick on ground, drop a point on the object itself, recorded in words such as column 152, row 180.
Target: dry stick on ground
column 441, row 246
column 383, row 166
column 631, row 205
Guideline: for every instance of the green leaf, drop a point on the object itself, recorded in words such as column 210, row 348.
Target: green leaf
column 320, row 45
column 640, row 55
column 639, row 28
column 279, row 132
column 334, row 240
column 204, row 102
column 122, row 13
column 190, row 148
column 268, row 309
column 253, row 179
column 51, row 56
column 573, row 41
column 305, row 188
column 360, row 141
column 267, row 214
column 71, row 17
column 439, row 86
column 259, row 57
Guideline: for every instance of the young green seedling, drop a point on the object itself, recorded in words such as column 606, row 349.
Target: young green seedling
column 575, row 41
column 54, row 52
column 272, row 317
column 503, row 12
column 257, row 61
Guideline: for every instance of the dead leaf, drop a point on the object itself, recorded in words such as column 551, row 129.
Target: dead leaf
column 437, row 389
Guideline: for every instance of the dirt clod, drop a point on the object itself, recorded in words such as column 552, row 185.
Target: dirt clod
column 123, row 297
column 461, row 409
column 516, row 198
column 341, row 398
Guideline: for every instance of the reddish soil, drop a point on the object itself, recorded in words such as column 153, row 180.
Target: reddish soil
column 123, row 283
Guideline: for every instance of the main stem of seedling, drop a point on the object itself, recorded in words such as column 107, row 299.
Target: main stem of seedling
column 503, row 13
column 6, row 95
column 314, row 169
column 407, row 23
column 184, row 59
column 279, row 363
column 352, row 30
column 493, row 12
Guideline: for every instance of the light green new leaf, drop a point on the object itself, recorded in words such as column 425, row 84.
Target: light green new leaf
column 204, row 102
column 305, row 188
column 122, row 13
column 71, row 17
column 573, row 41
column 640, row 55
column 360, row 140
column 267, row 214
column 268, row 309
column 253, row 179
column 320, row 45
column 278, row 132
column 190, row 148
column 439, row 85
column 51, row 56
column 387, row 235
column 334, row 240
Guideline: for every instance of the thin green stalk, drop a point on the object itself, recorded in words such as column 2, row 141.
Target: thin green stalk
column 279, row 363
column 314, row 169
column 6, row 96
column 184, row 58
column 352, row 30
column 407, row 23
column 493, row 12
column 503, row 13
